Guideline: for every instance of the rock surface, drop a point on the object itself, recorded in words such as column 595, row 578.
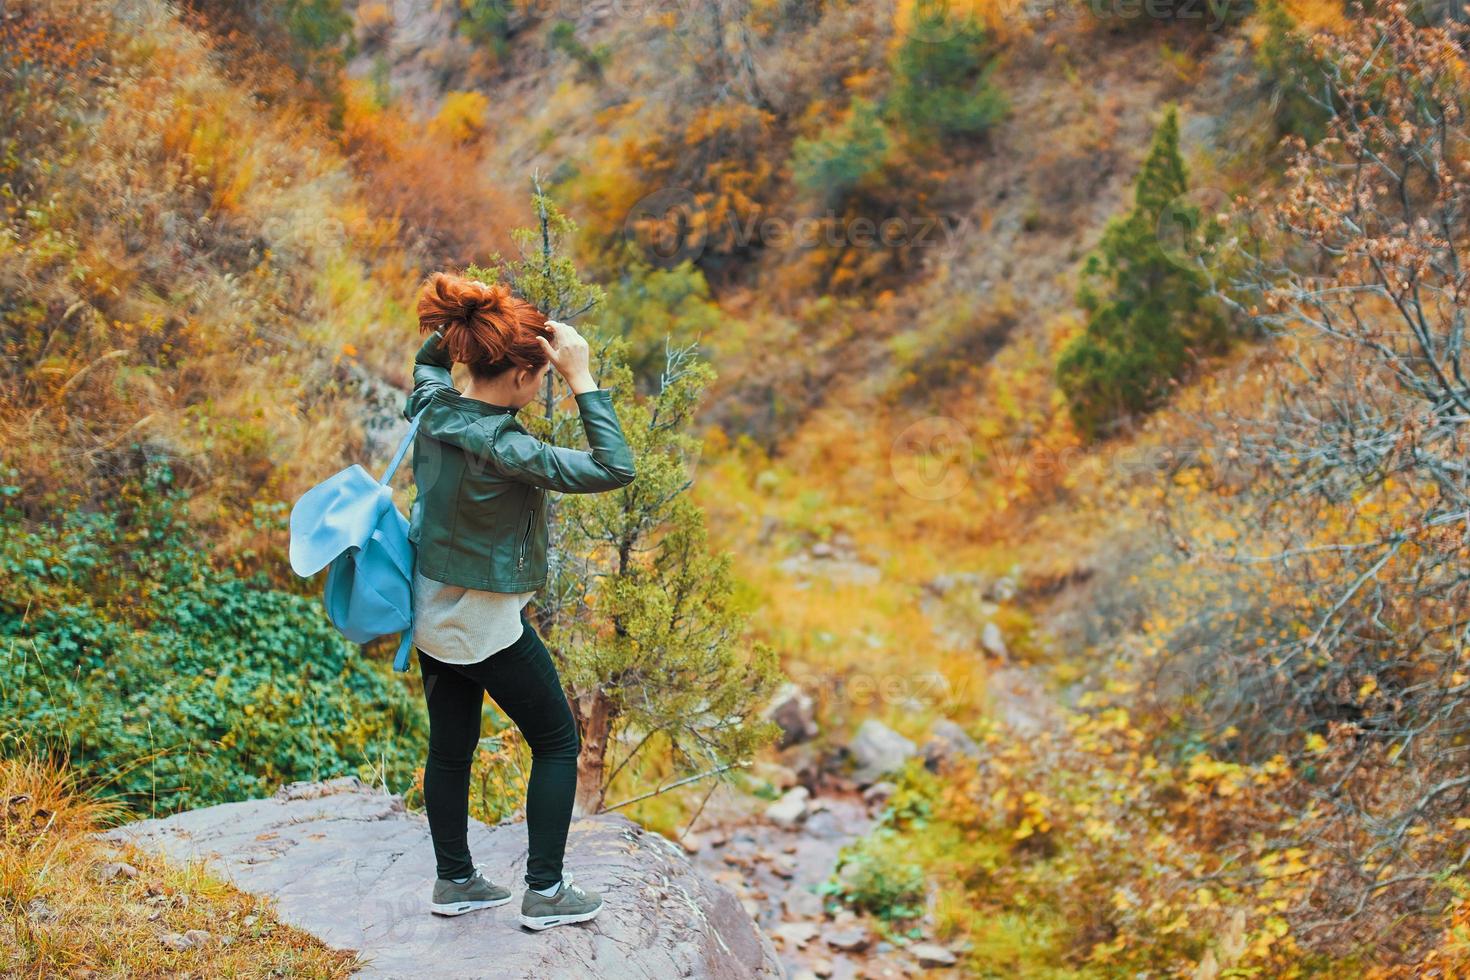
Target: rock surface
column 790, row 809
column 932, row 955
column 994, row 641
column 353, row 867
column 792, row 710
column 878, row 750
column 754, row 857
column 947, row 742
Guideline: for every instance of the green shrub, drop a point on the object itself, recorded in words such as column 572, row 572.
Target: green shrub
column 1128, row 16
column 317, row 25
column 881, row 874
column 1149, row 315
column 1294, row 73
column 653, row 309
column 487, row 22
column 314, row 37
column 941, row 79
column 590, row 61
column 844, row 155
column 173, row 684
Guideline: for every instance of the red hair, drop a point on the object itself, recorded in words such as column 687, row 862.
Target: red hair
column 484, row 327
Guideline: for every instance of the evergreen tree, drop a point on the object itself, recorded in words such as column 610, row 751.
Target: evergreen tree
column 1300, row 98
column 1149, row 315
column 842, row 156
column 642, row 618
column 941, row 78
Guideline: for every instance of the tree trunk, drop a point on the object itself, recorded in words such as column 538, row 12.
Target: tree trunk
column 595, row 716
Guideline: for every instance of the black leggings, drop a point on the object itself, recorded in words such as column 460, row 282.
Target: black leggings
column 523, row 681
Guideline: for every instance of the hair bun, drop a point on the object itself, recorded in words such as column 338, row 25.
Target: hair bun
column 492, row 299
column 482, row 324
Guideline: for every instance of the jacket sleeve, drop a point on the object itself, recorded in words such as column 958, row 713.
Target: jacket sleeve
column 521, row 456
column 430, row 371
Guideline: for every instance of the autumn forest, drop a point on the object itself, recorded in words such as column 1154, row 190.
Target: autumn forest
column 1050, row 548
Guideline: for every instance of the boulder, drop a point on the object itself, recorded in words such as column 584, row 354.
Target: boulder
column 799, row 903
column 779, row 776
column 932, row 955
column 994, row 642
column 352, row 866
column 878, row 793
column 833, row 569
column 116, row 869
column 791, row 709
column 790, row 809
column 848, row 939
column 947, row 742
column 877, row 750
column 1004, row 589
column 795, row 935
column 949, row 581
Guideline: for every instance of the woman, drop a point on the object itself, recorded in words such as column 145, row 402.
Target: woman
column 479, row 523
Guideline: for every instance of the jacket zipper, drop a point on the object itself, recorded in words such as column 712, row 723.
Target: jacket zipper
column 526, row 539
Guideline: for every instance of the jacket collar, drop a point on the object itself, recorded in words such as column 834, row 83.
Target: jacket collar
column 448, row 396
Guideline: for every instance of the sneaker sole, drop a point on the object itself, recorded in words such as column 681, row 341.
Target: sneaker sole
column 460, row 908
column 539, row 922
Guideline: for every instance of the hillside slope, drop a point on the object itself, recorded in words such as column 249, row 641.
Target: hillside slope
column 213, row 226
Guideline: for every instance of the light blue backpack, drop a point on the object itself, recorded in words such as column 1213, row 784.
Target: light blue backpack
column 349, row 525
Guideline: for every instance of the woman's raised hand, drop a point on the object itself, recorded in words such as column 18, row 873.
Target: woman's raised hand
column 569, row 355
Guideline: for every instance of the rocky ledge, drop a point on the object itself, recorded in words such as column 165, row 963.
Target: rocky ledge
column 353, row 867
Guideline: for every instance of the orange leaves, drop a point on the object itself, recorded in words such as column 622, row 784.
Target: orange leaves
column 415, row 175
column 65, row 38
column 1450, row 956
column 716, row 161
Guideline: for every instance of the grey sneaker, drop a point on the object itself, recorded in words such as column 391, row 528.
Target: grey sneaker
column 569, row 904
column 457, row 898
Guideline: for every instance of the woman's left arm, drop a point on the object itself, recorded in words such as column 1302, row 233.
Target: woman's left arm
column 521, row 456
column 430, row 371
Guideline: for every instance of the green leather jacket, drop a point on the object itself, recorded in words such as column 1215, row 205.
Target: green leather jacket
column 479, row 520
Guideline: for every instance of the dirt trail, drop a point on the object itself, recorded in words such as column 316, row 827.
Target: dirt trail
column 777, row 868
column 777, row 871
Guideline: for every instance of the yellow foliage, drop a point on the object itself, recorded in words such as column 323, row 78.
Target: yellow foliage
column 461, row 118
column 1317, row 15
column 99, row 921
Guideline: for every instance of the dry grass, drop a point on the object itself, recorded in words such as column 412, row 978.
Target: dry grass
column 75, row 906
column 199, row 276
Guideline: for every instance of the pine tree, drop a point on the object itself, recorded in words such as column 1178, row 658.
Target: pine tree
column 642, row 618
column 941, row 77
column 843, row 156
column 1149, row 314
column 1300, row 93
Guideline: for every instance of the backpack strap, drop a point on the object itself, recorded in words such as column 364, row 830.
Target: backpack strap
column 413, row 429
column 400, row 657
